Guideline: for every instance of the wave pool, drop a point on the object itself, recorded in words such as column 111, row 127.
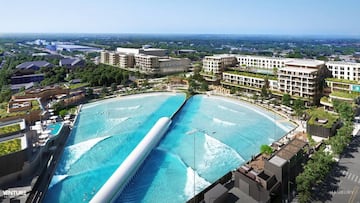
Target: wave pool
column 208, row 137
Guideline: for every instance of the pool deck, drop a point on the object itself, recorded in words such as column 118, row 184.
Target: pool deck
column 40, row 187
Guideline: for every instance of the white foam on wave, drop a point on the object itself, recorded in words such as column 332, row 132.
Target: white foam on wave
column 129, row 107
column 76, row 151
column 191, row 132
column 271, row 140
column 214, row 148
column 56, row 179
column 194, row 183
column 88, row 106
column 193, row 179
column 227, row 109
column 285, row 128
column 228, row 123
column 118, row 120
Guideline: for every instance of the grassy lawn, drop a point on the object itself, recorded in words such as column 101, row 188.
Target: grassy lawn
column 319, row 113
column 78, row 85
column 342, row 81
column 352, row 95
column 10, row 146
column 254, row 75
column 4, row 114
column 9, row 129
column 325, row 99
column 35, row 105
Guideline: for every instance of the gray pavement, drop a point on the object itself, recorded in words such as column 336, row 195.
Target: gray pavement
column 343, row 183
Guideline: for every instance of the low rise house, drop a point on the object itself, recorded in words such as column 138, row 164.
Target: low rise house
column 71, row 63
column 24, row 79
column 31, row 67
column 322, row 123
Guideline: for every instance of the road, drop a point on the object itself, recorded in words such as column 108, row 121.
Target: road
column 343, row 184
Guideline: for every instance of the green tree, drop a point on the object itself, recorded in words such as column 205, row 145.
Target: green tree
column 113, row 87
column 5, row 94
column 204, row 86
column 266, row 149
column 275, row 71
column 104, row 90
column 286, row 99
column 62, row 113
column 313, row 174
column 89, row 92
column 232, row 90
column 299, row 107
column 345, row 110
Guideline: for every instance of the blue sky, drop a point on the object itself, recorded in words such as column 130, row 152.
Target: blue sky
column 279, row 17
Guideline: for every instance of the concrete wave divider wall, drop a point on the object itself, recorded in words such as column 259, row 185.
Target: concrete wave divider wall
column 120, row 178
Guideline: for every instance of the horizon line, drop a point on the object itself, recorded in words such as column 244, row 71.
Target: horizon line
column 174, row 33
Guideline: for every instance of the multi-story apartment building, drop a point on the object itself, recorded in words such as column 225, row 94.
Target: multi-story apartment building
column 144, row 50
column 113, row 59
column 341, row 89
column 300, row 78
column 345, row 83
column 126, row 60
column 104, row 57
column 248, row 80
column 344, row 70
column 134, row 60
column 213, row 66
column 261, row 61
column 146, row 63
column 173, row 65
column 216, row 64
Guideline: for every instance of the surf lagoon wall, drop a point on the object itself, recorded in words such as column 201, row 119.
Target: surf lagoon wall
column 117, row 182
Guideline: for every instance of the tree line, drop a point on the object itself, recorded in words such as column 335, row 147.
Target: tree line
column 320, row 164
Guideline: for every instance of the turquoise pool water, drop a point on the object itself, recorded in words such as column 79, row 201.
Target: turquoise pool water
column 104, row 134
column 209, row 137
column 55, row 128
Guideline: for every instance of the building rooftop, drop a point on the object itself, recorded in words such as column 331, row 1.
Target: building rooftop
column 31, row 64
column 242, row 197
column 216, row 191
column 128, row 50
column 258, row 163
column 26, row 76
column 146, row 56
column 305, row 63
column 18, row 122
column 299, row 70
column 338, row 80
column 287, row 152
column 24, row 85
column 264, row 57
column 342, row 63
column 153, row 49
column 69, row 61
column 278, row 161
column 220, row 56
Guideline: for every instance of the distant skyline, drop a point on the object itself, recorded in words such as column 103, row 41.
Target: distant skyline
column 261, row 17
